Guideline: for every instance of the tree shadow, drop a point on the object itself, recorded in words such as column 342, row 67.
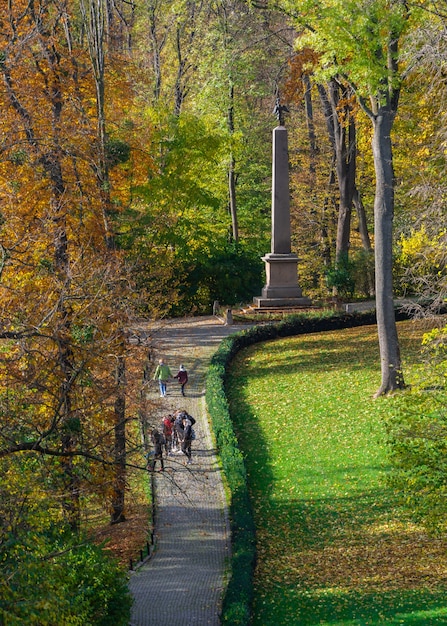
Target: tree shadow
column 343, row 559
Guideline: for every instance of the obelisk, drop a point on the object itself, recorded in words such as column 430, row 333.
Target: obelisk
column 281, row 264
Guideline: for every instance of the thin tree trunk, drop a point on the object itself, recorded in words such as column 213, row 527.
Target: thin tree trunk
column 52, row 164
column 119, row 483
column 93, row 12
column 391, row 368
column 345, row 159
column 180, row 87
column 232, row 199
column 157, row 46
column 325, row 220
column 232, row 204
column 310, row 125
column 368, row 266
column 363, row 225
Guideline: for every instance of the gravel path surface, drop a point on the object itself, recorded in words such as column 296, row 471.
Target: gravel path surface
column 182, row 583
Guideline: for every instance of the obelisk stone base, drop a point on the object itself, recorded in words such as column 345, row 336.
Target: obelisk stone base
column 281, row 288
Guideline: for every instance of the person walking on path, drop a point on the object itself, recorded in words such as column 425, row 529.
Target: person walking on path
column 178, row 431
column 187, row 439
column 182, row 377
column 162, row 374
column 158, row 441
column 168, row 426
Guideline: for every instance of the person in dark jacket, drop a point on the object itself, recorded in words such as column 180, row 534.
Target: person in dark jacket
column 182, row 377
column 158, row 441
column 187, row 439
column 178, row 431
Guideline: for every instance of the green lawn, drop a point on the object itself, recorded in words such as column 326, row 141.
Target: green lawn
column 333, row 546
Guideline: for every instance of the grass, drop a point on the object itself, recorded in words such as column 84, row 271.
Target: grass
column 333, row 545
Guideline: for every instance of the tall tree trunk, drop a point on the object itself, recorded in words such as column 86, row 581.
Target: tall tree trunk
column 368, row 266
column 119, row 483
column 326, row 249
column 51, row 161
column 391, row 368
column 94, row 17
column 322, row 219
column 180, row 86
column 325, row 240
column 345, row 160
column 232, row 199
column 310, row 125
column 363, row 224
column 157, row 44
column 93, row 13
column 231, row 172
column 186, row 33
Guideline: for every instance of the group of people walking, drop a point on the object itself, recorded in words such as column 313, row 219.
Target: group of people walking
column 175, row 435
column 163, row 374
column 176, row 431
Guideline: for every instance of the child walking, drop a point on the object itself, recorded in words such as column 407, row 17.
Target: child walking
column 182, row 377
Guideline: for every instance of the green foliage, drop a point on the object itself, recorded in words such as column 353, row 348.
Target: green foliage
column 352, row 275
column 418, row 441
column 19, row 157
column 352, row 39
column 340, row 277
column 230, row 275
column 183, row 202
column 48, row 575
column 83, row 334
column 239, row 589
column 363, row 271
column 98, row 585
column 117, row 151
column 418, row 438
column 49, row 578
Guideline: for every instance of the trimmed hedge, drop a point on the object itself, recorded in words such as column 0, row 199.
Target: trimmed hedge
column 236, row 607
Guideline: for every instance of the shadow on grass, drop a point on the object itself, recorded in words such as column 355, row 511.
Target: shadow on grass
column 412, row 607
column 340, row 561
column 336, row 571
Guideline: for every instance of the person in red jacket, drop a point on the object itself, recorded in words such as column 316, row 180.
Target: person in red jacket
column 182, row 377
column 168, row 426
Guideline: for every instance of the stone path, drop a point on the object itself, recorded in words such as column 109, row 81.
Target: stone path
column 182, row 584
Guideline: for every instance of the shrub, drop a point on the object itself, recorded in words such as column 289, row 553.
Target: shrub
column 229, row 275
column 49, row 579
column 341, row 277
column 418, row 438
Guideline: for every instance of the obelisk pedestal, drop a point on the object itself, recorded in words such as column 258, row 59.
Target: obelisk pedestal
column 281, row 264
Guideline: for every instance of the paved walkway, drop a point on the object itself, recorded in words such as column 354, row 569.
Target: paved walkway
column 182, row 584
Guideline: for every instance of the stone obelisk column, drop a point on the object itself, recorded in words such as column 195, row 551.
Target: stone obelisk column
column 281, row 265
column 280, row 193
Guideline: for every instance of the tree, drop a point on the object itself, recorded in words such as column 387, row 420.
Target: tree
column 331, row 114
column 358, row 45
column 421, row 250
column 63, row 297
